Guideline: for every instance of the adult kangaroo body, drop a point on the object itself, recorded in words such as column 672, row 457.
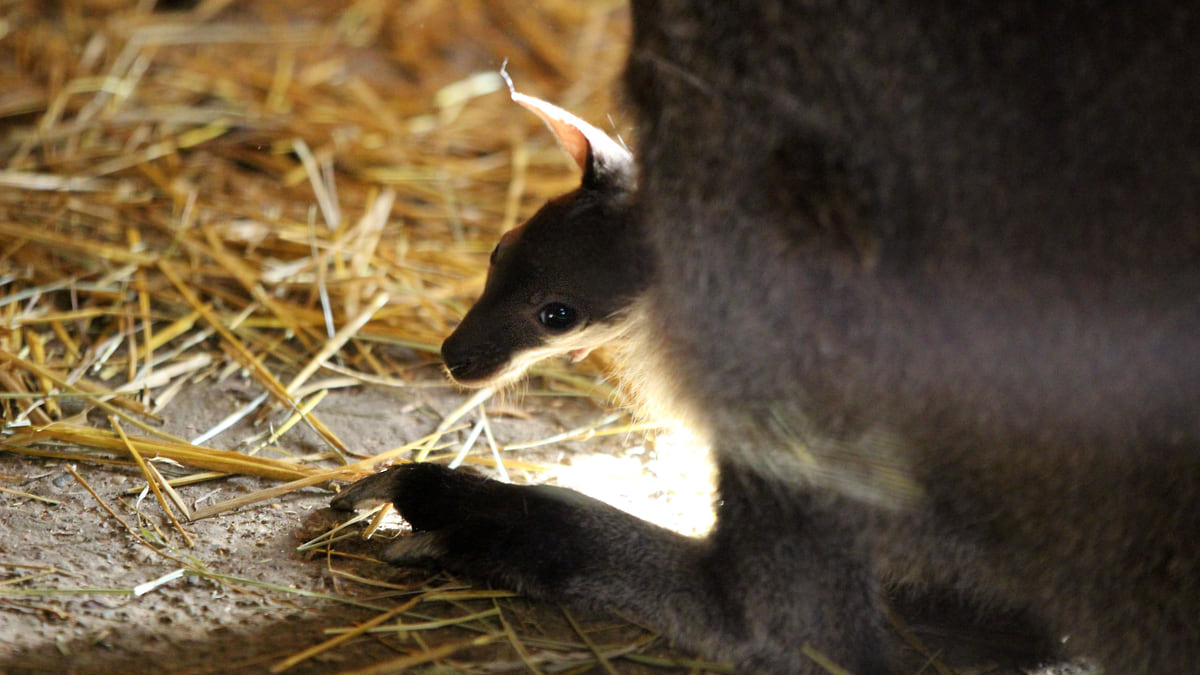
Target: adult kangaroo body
column 942, row 259
column 926, row 277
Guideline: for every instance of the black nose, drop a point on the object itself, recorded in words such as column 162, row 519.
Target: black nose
column 452, row 353
column 462, row 360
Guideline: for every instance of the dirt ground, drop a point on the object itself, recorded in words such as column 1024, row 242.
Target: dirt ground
column 258, row 600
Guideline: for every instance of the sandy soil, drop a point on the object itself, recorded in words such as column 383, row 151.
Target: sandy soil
column 79, row 614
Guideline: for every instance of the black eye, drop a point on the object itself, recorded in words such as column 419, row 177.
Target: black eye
column 495, row 252
column 557, row 316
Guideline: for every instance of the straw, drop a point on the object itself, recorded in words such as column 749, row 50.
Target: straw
column 188, row 196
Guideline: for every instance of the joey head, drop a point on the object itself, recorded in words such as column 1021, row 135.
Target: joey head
column 564, row 281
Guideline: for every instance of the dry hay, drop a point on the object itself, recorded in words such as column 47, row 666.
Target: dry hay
column 304, row 193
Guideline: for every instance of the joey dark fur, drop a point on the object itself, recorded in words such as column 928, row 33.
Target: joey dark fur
column 926, row 278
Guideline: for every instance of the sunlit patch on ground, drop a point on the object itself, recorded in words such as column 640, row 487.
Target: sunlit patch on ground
column 667, row 481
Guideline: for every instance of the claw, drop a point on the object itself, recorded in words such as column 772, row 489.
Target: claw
column 368, row 492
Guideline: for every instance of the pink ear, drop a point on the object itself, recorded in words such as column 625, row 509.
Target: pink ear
column 574, row 135
column 566, row 127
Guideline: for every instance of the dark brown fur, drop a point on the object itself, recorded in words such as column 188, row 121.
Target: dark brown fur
column 928, row 280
